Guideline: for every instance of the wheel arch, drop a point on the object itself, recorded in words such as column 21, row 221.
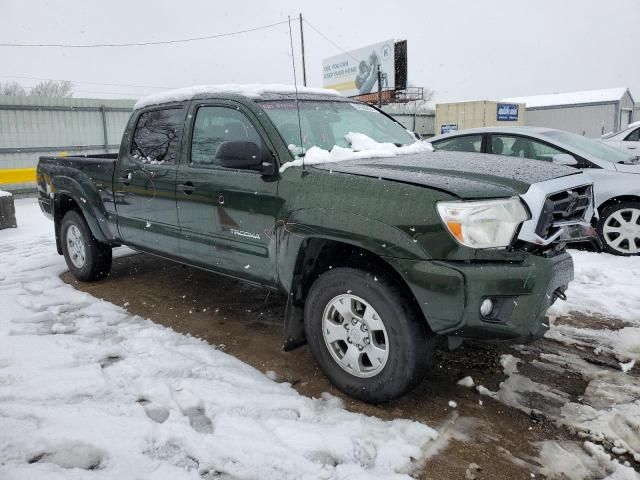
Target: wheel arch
column 317, row 255
column 70, row 195
column 617, row 200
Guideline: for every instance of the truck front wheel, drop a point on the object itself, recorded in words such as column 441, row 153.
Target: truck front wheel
column 86, row 258
column 366, row 335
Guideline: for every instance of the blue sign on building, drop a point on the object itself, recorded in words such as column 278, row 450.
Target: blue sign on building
column 446, row 128
column 507, row 112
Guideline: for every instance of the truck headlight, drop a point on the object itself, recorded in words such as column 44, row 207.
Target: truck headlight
column 483, row 224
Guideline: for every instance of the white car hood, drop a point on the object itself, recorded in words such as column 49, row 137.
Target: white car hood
column 625, row 168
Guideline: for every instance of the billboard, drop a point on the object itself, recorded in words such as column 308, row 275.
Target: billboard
column 356, row 72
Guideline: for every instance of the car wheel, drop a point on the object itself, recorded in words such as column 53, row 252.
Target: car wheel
column 365, row 334
column 619, row 228
column 86, row 258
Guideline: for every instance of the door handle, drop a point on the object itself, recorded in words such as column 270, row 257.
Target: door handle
column 187, row 188
column 632, row 148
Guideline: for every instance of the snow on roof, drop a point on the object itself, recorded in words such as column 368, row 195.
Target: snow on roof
column 249, row 90
column 570, row 98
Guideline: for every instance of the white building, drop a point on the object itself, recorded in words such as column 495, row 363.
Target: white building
column 591, row 113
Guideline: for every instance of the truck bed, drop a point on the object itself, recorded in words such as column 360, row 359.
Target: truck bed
column 93, row 175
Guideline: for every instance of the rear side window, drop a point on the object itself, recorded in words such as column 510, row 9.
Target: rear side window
column 215, row 125
column 633, row 136
column 523, row 147
column 156, row 137
column 465, row 143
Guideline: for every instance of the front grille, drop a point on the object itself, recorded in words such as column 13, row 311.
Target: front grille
column 563, row 208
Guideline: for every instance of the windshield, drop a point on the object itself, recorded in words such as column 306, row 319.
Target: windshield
column 592, row 147
column 325, row 123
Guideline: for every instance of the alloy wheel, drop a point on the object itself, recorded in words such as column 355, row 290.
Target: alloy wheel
column 355, row 335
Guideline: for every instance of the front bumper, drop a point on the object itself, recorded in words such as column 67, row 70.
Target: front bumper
column 450, row 294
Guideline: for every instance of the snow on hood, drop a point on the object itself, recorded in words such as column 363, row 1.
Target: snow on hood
column 362, row 146
column 249, row 90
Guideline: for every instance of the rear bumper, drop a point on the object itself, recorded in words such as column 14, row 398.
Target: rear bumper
column 450, row 295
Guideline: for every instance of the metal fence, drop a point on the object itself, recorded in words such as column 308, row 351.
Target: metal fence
column 419, row 119
column 34, row 126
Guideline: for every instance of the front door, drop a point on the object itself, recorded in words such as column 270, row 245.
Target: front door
column 145, row 181
column 227, row 216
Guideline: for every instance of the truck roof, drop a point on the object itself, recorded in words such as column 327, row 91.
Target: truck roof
column 254, row 91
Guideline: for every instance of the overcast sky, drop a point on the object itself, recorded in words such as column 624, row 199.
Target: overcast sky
column 467, row 49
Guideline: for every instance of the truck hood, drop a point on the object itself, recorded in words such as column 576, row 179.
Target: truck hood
column 466, row 175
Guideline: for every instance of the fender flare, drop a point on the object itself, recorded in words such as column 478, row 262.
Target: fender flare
column 89, row 202
column 361, row 232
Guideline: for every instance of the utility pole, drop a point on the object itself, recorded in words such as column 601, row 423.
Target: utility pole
column 304, row 68
column 379, row 87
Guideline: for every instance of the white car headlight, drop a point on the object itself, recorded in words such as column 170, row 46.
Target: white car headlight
column 483, row 224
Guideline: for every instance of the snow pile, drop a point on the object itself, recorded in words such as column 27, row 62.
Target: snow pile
column 604, row 286
column 569, row 460
column 466, row 382
column 86, row 386
column 4, row 194
column 608, row 411
column 248, row 90
column 362, row 147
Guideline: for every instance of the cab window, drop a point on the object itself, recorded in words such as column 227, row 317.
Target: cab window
column 465, row 143
column 157, row 134
column 214, row 125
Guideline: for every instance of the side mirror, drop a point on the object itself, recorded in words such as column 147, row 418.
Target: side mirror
column 246, row 156
column 564, row 159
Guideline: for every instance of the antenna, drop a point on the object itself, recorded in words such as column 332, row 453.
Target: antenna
column 295, row 84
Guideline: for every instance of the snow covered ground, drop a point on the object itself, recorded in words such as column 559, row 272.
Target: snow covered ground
column 604, row 304
column 86, row 386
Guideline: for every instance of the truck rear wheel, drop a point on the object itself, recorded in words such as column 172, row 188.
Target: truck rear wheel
column 365, row 335
column 86, row 258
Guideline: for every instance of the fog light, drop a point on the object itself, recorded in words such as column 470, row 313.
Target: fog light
column 486, row 307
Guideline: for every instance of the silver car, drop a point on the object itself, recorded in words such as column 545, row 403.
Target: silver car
column 614, row 172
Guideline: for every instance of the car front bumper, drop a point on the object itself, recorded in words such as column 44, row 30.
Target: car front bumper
column 450, row 294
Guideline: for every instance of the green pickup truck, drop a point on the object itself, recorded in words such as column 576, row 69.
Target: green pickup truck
column 378, row 253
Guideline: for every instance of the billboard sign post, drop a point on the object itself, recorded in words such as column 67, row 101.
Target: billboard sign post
column 356, row 73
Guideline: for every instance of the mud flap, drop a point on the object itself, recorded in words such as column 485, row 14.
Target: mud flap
column 294, row 335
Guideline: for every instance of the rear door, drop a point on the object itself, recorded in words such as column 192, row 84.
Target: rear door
column 632, row 142
column 145, row 180
column 227, row 216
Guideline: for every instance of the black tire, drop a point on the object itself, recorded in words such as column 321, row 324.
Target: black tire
column 97, row 256
column 625, row 247
column 410, row 343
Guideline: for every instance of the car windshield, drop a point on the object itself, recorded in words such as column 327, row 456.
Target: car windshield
column 592, row 147
column 325, row 123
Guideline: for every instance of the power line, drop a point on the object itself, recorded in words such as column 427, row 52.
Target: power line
column 329, row 40
column 141, row 44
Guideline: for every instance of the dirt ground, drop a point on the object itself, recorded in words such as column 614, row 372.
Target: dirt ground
column 246, row 322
